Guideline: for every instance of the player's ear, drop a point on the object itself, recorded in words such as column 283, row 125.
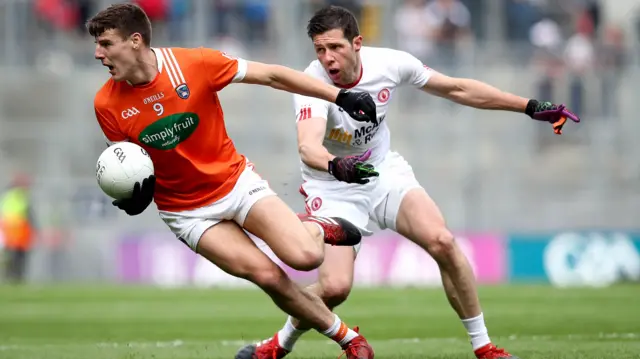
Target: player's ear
column 357, row 43
column 136, row 40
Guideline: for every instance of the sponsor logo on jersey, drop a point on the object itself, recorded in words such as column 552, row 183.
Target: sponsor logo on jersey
column 365, row 133
column 340, row 135
column 183, row 91
column 167, row 132
column 130, row 112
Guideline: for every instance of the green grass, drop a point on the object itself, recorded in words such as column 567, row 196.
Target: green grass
column 533, row 322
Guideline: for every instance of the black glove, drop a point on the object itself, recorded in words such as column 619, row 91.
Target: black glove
column 352, row 169
column 359, row 105
column 140, row 199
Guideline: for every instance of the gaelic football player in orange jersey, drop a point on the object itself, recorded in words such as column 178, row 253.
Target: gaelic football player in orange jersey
column 164, row 99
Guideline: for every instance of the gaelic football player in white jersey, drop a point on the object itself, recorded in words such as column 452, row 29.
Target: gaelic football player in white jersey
column 349, row 170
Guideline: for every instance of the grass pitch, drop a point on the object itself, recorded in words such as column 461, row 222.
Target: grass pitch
column 533, row 322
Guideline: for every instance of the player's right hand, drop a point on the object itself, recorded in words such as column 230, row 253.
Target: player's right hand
column 140, row 199
column 353, row 169
column 359, row 105
column 556, row 115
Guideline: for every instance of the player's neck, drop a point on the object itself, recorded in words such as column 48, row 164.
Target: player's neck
column 147, row 69
column 357, row 75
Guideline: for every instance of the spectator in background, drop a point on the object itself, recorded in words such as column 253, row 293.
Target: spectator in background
column 256, row 16
column 412, row 30
column 547, row 41
column 177, row 18
column 612, row 59
column 57, row 14
column 16, row 221
column 355, row 6
column 449, row 22
column 579, row 59
column 521, row 16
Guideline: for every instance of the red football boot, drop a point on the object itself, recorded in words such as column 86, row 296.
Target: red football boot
column 358, row 348
column 337, row 231
column 490, row 351
column 267, row 349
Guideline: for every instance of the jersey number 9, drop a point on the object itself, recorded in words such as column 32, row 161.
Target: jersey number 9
column 158, row 108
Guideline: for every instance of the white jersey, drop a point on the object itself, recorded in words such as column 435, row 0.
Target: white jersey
column 383, row 71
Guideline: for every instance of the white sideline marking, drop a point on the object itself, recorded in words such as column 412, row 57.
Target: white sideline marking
column 238, row 343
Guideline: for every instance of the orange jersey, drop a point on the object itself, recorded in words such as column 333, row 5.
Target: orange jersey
column 178, row 119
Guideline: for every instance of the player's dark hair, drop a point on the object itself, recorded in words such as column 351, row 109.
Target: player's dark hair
column 331, row 18
column 126, row 18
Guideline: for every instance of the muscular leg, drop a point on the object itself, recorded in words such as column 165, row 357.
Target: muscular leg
column 420, row 220
column 228, row 247
column 299, row 245
column 335, row 278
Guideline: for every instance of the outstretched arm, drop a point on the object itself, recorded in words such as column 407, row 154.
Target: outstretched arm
column 286, row 79
column 477, row 94
column 480, row 95
column 474, row 93
column 222, row 69
column 359, row 105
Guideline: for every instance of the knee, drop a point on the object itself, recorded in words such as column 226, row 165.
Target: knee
column 306, row 258
column 441, row 245
column 335, row 290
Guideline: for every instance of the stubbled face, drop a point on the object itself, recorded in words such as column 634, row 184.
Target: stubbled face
column 338, row 56
column 118, row 54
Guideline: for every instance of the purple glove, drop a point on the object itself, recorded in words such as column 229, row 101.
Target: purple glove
column 352, row 169
column 556, row 115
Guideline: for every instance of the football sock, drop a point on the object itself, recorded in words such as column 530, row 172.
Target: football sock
column 289, row 335
column 339, row 332
column 477, row 331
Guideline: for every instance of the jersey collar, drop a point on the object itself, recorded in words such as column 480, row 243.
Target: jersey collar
column 353, row 84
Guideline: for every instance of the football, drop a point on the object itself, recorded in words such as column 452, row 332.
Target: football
column 120, row 166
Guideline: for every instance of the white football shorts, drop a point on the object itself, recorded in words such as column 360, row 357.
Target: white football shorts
column 378, row 200
column 189, row 225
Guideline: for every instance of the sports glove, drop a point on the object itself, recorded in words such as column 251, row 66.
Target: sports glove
column 359, row 105
column 352, row 169
column 140, row 199
column 556, row 115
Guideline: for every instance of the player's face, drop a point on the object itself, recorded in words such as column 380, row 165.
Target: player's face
column 338, row 56
column 118, row 54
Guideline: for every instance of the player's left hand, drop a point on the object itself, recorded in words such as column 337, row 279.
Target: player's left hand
column 359, row 105
column 140, row 199
column 353, row 169
column 556, row 115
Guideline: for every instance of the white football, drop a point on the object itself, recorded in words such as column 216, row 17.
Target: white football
column 120, row 166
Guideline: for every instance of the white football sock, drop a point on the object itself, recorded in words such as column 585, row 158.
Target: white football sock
column 289, row 335
column 340, row 332
column 477, row 331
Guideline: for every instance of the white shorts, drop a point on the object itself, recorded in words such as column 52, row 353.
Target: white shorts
column 189, row 225
column 378, row 200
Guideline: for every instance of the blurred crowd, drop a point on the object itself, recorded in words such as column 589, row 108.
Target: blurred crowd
column 560, row 38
